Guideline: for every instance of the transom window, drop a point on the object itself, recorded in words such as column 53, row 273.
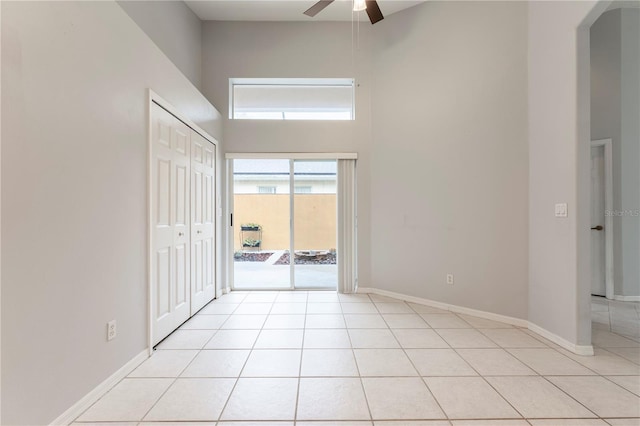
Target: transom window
column 291, row 99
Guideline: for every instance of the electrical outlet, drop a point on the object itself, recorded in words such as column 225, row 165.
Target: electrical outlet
column 450, row 279
column 111, row 330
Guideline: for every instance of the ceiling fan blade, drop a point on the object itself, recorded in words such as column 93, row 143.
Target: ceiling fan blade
column 317, row 8
column 374, row 12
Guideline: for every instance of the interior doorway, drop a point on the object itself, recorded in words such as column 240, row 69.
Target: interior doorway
column 613, row 40
column 285, row 223
column 601, row 215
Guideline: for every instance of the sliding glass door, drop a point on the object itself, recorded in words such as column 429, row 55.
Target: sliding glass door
column 261, row 224
column 314, row 224
column 284, row 224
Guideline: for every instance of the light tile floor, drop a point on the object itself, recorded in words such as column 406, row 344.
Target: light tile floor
column 320, row 359
column 618, row 317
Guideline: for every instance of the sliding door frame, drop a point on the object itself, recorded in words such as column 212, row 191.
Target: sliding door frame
column 292, row 226
column 291, row 157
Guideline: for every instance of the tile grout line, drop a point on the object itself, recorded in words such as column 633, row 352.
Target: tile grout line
column 618, row 384
column 506, row 349
column 355, row 361
column 224, row 407
column 168, row 387
column 448, row 419
column 175, row 379
column 537, row 374
column 585, row 366
column 183, row 370
column 304, row 333
column 571, row 396
column 489, row 383
column 500, row 347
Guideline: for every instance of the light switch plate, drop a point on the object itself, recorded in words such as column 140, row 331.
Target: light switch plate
column 562, row 210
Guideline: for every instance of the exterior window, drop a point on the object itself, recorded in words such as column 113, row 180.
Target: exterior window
column 266, row 190
column 291, row 99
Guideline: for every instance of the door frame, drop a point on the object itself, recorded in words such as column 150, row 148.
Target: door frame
column 154, row 98
column 229, row 157
column 607, row 144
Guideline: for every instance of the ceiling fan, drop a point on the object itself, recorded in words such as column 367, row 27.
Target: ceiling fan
column 371, row 6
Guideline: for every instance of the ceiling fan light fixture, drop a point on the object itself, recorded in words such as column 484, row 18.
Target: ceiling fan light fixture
column 371, row 6
column 359, row 5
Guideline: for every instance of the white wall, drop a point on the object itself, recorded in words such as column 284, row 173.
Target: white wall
column 175, row 29
column 630, row 126
column 444, row 176
column 559, row 117
column 295, row 50
column 615, row 100
column 449, row 154
column 74, row 79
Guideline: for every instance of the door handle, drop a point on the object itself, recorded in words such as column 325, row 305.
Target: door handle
column 198, row 232
column 597, row 228
column 180, row 234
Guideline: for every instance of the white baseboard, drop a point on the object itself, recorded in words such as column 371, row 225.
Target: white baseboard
column 586, row 350
column 627, row 298
column 519, row 322
column 226, row 290
column 447, row 307
column 89, row 399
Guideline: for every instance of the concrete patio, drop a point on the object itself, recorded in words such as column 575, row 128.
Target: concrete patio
column 268, row 275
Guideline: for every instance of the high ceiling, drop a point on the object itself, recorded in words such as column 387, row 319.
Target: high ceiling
column 285, row 10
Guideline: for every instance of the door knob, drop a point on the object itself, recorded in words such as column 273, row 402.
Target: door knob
column 597, row 228
column 198, row 232
column 180, row 234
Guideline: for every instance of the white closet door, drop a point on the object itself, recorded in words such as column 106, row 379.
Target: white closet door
column 203, row 160
column 171, row 216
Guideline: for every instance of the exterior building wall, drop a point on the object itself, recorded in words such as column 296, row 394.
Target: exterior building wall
column 315, row 220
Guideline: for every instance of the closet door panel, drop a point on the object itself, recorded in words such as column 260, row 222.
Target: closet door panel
column 197, row 197
column 210, row 220
column 197, row 262
column 209, row 262
column 183, row 222
column 171, row 220
column 182, row 196
column 162, row 278
column 182, row 278
column 203, row 222
column 209, row 192
column 163, row 188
